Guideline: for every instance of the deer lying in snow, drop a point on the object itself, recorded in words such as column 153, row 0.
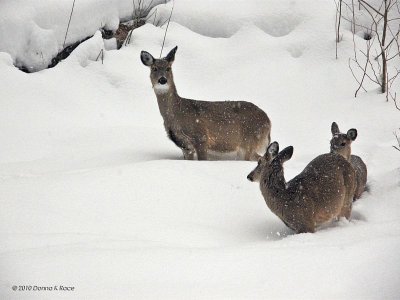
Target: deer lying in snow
column 202, row 128
column 322, row 192
column 341, row 144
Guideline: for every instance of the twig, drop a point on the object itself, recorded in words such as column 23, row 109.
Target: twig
column 338, row 19
column 69, row 21
column 398, row 141
column 355, row 77
column 163, row 23
column 354, row 19
column 394, row 98
column 166, row 30
column 134, row 10
column 150, row 15
column 102, row 56
column 364, row 4
column 147, row 9
column 128, row 38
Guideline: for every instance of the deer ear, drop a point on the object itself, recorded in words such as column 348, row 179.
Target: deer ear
column 335, row 128
column 146, row 58
column 171, row 55
column 352, row 134
column 273, row 149
column 285, row 154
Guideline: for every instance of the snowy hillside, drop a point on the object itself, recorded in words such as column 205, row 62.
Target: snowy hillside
column 94, row 196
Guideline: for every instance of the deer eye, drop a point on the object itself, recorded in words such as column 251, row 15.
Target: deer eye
column 343, row 144
column 154, row 69
column 168, row 69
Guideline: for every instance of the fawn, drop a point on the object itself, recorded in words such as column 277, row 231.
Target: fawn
column 203, row 129
column 341, row 144
column 322, row 192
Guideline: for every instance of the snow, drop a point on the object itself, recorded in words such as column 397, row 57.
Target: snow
column 94, row 195
column 33, row 31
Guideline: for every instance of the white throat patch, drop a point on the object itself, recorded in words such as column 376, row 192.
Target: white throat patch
column 161, row 88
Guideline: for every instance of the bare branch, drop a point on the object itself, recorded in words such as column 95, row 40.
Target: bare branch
column 365, row 5
column 394, row 98
column 355, row 77
column 398, row 141
column 69, row 22
column 166, row 30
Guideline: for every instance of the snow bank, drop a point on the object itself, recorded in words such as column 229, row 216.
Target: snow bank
column 225, row 17
column 33, row 31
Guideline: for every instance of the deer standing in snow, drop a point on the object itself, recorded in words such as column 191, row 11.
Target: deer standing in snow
column 322, row 192
column 341, row 144
column 203, row 129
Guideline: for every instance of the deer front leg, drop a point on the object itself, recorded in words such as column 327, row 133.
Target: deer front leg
column 251, row 155
column 346, row 209
column 200, row 145
column 201, row 152
column 305, row 229
column 188, row 154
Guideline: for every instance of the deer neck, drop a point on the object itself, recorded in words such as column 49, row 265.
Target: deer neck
column 346, row 153
column 273, row 187
column 168, row 102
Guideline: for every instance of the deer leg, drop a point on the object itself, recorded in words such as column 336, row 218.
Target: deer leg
column 248, row 155
column 256, row 145
column 253, row 156
column 188, row 154
column 305, row 228
column 348, row 200
column 200, row 146
column 346, row 210
column 359, row 190
column 248, row 151
column 201, row 153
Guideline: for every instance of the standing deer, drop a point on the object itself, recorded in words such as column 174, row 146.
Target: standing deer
column 202, row 128
column 341, row 144
column 322, row 192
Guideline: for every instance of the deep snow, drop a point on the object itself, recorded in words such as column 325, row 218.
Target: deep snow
column 34, row 31
column 93, row 195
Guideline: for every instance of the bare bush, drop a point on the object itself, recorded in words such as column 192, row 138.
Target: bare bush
column 381, row 33
column 141, row 13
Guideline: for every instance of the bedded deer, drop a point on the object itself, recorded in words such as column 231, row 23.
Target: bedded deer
column 341, row 144
column 322, row 192
column 203, row 129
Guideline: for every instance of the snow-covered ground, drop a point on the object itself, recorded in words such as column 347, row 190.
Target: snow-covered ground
column 34, row 31
column 94, row 196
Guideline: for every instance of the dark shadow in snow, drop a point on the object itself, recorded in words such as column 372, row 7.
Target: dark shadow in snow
column 279, row 26
column 295, row 51
column 367, row 188
column 148, row 155
column 355, row 215
column 278, row 231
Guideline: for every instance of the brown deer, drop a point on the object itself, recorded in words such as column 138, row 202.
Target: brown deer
column 341, row 144
column 322, row 192
column 203, row 129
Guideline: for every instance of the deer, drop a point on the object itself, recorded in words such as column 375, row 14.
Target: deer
column 207, row 129
column 321, row 193
column 341, row 144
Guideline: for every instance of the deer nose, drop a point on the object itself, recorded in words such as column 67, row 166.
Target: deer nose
column 249, row 177
column 162, row 80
